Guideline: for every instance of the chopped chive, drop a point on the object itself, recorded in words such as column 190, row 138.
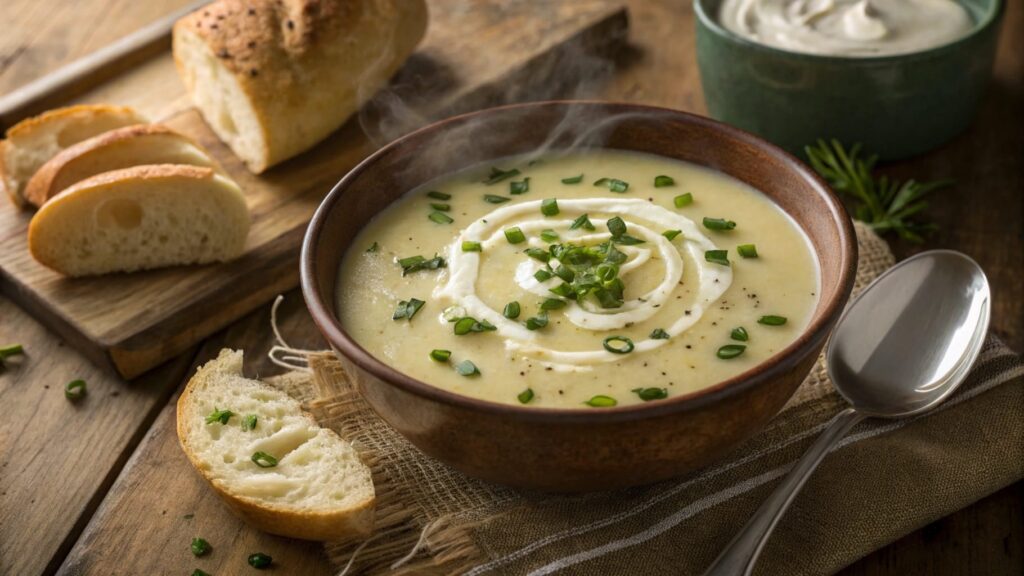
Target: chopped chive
column 260, row 560
column 730, row 351
column 613, row 184
column 616, row 226
column 537, row 322
column 469, row 325
column 495, row 199
column 200, row 547
column 467, row 368
column 471, row 246
column 659, row 334
column 440, row 217
column 624, row 345
column 601, row 401
column 417, row 263
column 198, row 572
column 565, row 273
column 552, row 304
column 497, row 175
column 514, row 235
column 747, row 250
column 771, row 320
column 683, row 200
column 249, row 422
column 438, row 195
column 264, row 460
column 525, row 396
column 439, row 355
column 718, row 224
column 663, row 181
column 739, row 334
column 217, row 415
column 548, row 235
column 564, row 290
column 671, row 234
column 407, row 309
column 648, row 394
column 627, row 240
column 521, row 187
column 542, row 275
column 373, row 247
column 582, row 222
column 549, row 207
column 573, row 179
column 511, row 310
column 538, row 254
column 75, row 390
column 440, row 206
column 717, row 257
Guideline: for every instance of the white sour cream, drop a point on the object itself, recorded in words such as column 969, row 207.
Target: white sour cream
column 855, row 28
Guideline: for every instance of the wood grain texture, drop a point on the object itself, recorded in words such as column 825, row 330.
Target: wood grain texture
column 449, row 73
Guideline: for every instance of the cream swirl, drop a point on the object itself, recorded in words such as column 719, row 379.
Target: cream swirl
column 645, row 220
column 848, row 27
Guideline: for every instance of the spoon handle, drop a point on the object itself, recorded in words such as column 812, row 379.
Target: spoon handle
column 741, row 554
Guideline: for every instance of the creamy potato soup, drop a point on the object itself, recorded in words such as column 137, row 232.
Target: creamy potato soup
column 587, row 280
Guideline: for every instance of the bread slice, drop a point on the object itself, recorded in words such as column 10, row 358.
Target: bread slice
column 139, row 218
column 319, row 489
column 32, row 142
column 273, row 78
column 136, row 145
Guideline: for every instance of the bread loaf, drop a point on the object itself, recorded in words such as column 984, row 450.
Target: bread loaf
column 140, row 218
column 274, row 77
column 32, row 142
column 121, row 148
column 315, row 488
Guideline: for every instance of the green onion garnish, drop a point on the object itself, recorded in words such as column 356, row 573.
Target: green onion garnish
column 373, row 247
column 200, row 547
column 613, row 184
column 497, row 175
column 718, row 224
column 627, row 240
column 601, row 401
column 549, row 207
column 548, row 235
column 249, row 422
column 683, row 200
column 565, row 273
column 624, row 345
column 739, row 334
column 772, row 320
column 467, row 325
column 747, row 250
column 552, row 304
column 648, row 394
column 671, row 234
column 198, row 572
column 663, row 181
column 438, row 355
column 521, row 187
column 471, row 246
column 417, row 263
column 511, row 310
column 219, row 415
column 75, row 390
column 730, row 351
column 564, row 290
column 467, row 368
column 573, row 179
column 514, row 235
column 659, row 334
column 407, row 309
column 538, row 254
column 616, row 226
column 717, row 257
column 260, row 560
column 537, row 322
column 440, row 217
column 438, row 195
column 495, row 199
column 526, row 395
column 440, row 206
column 582, row 222
column 264, row 460
column 542, row 275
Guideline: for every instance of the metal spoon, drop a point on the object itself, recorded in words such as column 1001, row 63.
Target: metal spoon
column 900, row 349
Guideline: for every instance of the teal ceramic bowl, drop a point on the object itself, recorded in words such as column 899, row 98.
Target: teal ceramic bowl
column 897, row 106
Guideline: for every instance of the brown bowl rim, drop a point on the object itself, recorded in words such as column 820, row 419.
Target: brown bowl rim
column 815, row 332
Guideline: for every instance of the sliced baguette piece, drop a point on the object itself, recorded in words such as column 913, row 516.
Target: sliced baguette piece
column 136, row 145
column 319, row 489
column 33, row 141
column 140, row 218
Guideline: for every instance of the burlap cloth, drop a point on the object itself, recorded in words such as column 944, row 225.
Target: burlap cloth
column 886, row 479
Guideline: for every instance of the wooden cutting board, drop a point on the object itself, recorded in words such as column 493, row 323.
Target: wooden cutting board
column 475, row 54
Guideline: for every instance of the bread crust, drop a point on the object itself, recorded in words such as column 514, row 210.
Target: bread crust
column 353, row 522
column 40, row 188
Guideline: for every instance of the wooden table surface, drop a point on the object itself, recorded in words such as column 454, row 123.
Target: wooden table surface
column 101, row 487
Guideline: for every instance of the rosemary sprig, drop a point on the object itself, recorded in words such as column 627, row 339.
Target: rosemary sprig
column 884, row 204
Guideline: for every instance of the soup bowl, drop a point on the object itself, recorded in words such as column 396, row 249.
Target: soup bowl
column 585, row 449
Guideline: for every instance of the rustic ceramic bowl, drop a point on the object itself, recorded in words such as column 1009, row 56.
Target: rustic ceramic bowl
column 574, row 450
column 897, row 106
